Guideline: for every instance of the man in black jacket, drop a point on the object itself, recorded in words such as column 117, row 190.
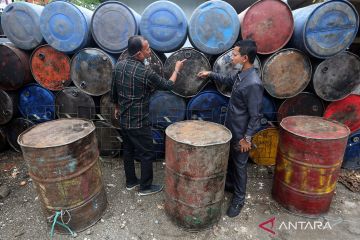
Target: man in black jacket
column 243, row 116
column 131, row 88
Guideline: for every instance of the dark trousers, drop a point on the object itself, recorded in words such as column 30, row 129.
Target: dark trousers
column 140, row 141
column 237, row 173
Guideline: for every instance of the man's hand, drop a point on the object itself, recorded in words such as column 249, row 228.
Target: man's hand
column 203, row 74
column 179, row 65
column 244, row 145
column 117, row 112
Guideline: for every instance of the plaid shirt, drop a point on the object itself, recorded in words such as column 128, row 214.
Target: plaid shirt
column 131, row 87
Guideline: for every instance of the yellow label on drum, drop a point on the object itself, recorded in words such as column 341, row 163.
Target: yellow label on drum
column 266, row 142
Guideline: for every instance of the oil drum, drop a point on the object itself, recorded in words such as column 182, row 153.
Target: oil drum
column 62, row 156
column 14, row 128
column 352, row 153
column 3, row 141
column 109, row 140
column 107, row 110
column 308, row 162
column 265, row 143
column 8, row 106
column 196, row 161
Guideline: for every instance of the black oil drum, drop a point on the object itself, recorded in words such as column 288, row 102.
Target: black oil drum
column 108, row 138
column 8, row 106
column 14, row 129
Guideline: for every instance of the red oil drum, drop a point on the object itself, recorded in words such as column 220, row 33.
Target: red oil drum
column 286, row 73
column 62, row 156
column 14, row 67
column 346, row 111
column 196, row 161
column 269, row 23
column 302, row 104
column 308, row 162
column 50, row 68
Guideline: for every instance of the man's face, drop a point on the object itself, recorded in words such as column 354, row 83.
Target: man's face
column 145, row 51
column 236, row 56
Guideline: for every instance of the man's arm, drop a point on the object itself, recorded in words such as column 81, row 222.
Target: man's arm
column 254, row 96
column 228, row 79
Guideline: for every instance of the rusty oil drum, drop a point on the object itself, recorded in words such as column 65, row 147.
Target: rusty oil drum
column 62, row 157
column 337, row 77
column 266, row 142
column 309, row 158
column 14, row 67
column 302, row 104
column 50, row 68
column 269, row 23
column 187, row 83
column 196, row 161
column 286, row 73
column 346, row 111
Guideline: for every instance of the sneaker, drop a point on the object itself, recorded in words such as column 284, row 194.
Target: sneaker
column 234, row 210
column 132, row 186
column 152, row 190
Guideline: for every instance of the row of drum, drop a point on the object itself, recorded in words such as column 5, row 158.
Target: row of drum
column 321, row 30
column 284, row 74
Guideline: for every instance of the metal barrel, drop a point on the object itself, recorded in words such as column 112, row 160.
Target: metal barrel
column 164, row 25
column 65, row 26
column 265, row 143
column 62, row 158
column 71, row 102
column 194, row 190
column 14, row 68
column 36, row 103
column 166, row 108
column 269, row 23
column 325, row 29
column 308, row 162
column 14, row 128
column 187, row 83
column 109, row 139
column 352, row 152
column 112, row 24
column 346, row 111
column 154, row 63
column 268, row 110
column 21, row 24
column 302, row 104
column 286, row 73
column 107, row 111
column 214, row 27
column 337, row 77
column 8, row 106
column 3, row 141
column 208, row 105
column 240, row 6
column 50, row 68
column 223, row 65
column 91, row 71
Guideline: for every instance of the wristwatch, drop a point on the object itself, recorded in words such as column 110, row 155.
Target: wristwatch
column 247, row 139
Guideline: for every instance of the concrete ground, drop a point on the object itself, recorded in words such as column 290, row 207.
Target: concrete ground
column 130, row 216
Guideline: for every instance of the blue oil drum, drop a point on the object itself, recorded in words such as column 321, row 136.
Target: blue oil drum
column 36, row 103
column 112, row 24
column 159, row 143
column 21, row 24
column 65, row 26
column 166, row 108
column 269, row 111
column 164, row 25
column 214, row 27
column 352, row 152
column 208, row 106
column 325, row 29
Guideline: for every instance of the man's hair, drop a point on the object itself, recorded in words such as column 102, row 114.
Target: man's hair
column 247, row 47
column 135, row 44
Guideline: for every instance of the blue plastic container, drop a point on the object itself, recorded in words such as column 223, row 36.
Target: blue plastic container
column 214, row 27
column 325, row 29
column 37, row 103
column 352, row 152
column 65, row 26
column 208, row 106
column 164, row 25
column 159, row 143
column 21, row 24
column 166, row 108
column 268, row 110
column 112, row 24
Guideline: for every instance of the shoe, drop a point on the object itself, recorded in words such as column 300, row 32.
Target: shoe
column 234, row 210
column 152, row 190
column 132, row 186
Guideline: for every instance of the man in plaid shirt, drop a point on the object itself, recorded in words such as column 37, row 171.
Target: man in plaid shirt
column 131, row 89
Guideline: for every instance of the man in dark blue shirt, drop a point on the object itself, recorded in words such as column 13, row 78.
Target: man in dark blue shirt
column 243, row 117
column 130, row 92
